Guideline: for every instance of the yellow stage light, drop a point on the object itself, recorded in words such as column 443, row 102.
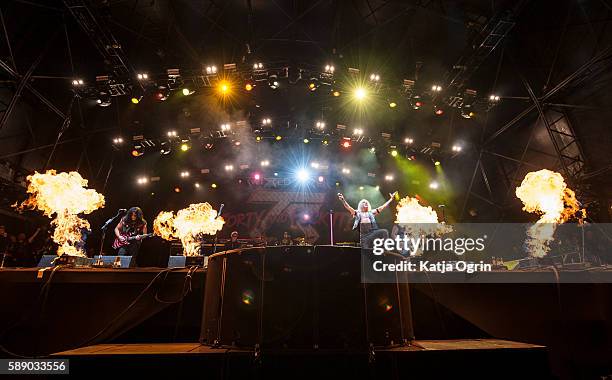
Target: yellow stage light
column 360, row 93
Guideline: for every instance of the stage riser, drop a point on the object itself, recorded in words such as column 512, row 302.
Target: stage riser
column 301, row 297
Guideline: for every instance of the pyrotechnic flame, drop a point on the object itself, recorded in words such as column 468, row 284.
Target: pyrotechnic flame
column 188, row 225
column 418, row 219
column 63, row 196
column 544, row 192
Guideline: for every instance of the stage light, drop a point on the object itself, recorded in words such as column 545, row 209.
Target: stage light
column 197, row 185
column 325, row 142
column 258, row 138
column 118, row 140
column 306, row 141
column 337, row 184
column 248, row 87
column 136, row 100
column 392, row 104
column 237, row 143
column 434, row 185
column 408, row 140
column 273, row 82
column 266, row 121
column 389, row 177
column 142, row 180
column 187, row 91
column 213, row 185
column 302, row 175
column 224, row 87
column 439, row 111
column 372, row 149
column 321, row 179
column 275, row 174
column 494, row 98
column 256, row 176
column 137, row 153
column 225, row 127
column 177, row 189
column 229, row 168
column 264, row 163
column 257, row 66
column 211, row 70
column 360, row 93
column 374, row 77
column 346, row 171
column 320, row 125
column 457, row 148
column 361, row 188
column 142, row 76
column 184, row 174
column 417, row 105
column 358, row 132
column 437, row 163
column 279, row 138
column 336, row 93
column 306, row 217
column 330, row 69
column 377, row 187
column 171, row 133
column 436, row 88
column 184, row 147
column 161, row 96
column 314, row 165
column 394, row 153
column 77, row 82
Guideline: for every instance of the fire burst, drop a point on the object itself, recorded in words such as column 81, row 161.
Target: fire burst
column 418, row 219
column 188, row 225
column 63, row 196
column 545, row 192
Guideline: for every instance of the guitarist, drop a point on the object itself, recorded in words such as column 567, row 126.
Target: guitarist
column 132, row 224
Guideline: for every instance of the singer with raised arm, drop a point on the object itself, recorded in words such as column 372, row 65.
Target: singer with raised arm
column 365, row 220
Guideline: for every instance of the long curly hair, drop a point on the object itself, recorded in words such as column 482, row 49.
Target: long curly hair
column 134, row 224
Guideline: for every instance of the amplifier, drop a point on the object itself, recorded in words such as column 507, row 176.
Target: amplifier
column 73, row 261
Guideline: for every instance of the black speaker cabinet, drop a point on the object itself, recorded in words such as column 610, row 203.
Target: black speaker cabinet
column 301, row 297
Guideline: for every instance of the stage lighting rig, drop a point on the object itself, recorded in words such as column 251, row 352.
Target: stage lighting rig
column 258, row 66
column 118, row 140
column 436, row 88
column 408, row 140
column 374, row 78
column 314, row 84
column 457, row 148
column 174, row 81
column 226, row 127
column 266, row 121
column 104, row 100
column 320, row 125
column 273, row 82
column 211, row 70
column 142, row 76
column 78, row 82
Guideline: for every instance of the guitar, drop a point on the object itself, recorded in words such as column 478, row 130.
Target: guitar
column 128, row 239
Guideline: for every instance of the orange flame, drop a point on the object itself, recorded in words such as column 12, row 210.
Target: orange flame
column 418, row 219
column 63, row 196
column 188, row 225
column 545, row 192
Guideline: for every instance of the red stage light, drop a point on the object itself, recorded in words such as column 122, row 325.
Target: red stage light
column 257, row 176
column 418, row 104
column 346, row 143
column 439, row 111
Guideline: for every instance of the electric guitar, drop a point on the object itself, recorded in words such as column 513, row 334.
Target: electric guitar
column 128, row 239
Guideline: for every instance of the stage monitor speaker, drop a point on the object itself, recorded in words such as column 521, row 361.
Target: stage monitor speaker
column 109, row 261
column 46, row 261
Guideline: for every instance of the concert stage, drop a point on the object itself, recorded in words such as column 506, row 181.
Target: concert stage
column 114, row 313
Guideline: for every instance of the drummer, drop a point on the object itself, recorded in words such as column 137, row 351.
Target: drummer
column 286, row 240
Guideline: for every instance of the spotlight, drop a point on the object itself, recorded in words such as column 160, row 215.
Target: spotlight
column 306, row 217
column 77, row 82
column 184, row 174
column 136, row 99
column 321, row 179
column 104, row 100
column 437, row 163
column 187, row 91
column 434, row 185
column 273, row 82
column 360, row 93
column 314, row 165
column 142, row 76
column 225, row 127
column 279, row 138
column 326, row 142
column 197, row 185
column 184, row 147
column 257, row 66
column 306, row 141
column 229, row 168
column 372, row 150
column 346, row 171
column 494, row 98
column 137, row 152
column 439, row 111
column 118, row 140
column 142, row 180
column 211, row 70
column 177, row 189
column 392, row 105
column 346, row 143
column 302, row 175
column 358, row 132
column 266, row 121
column 258, row 138
column 361, row 188
column 374, row 77
column 320, row 125
column 275, row 174
column 256, row 176
column 394, row 153
column 457, row 148
column 389, row 177
column 417, row 105
column 265, row 163
column 171, row 133
column 313, row 84
column 336, row 93
column 224, row 87
column 161, row 95
column 213, row 185
column 330, row 69
column 408, row 140
column 248, row 87
column 436, row 88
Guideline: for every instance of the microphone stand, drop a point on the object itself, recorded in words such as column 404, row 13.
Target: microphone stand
column 331, row 227
column 103, row 229
column 217, row 233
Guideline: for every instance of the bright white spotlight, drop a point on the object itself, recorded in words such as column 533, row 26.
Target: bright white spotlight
column 360, row 93
column 265, row 163
column 229, row 168
column 142, row 180
column 266, row 121
column 374, row 77
column 320, row 125
column 389, row 177
column 184, row 174
column 171, row 133
column 434, row 185
column 302, row 175
column 457, row 148
column 436, row 88
column 321, row 179
column 494, row 98
column 225, row 127
column 118, row 140
column 330, row 69
column 314, row 165
column 358, row 132
column 197, row 185
column 408, row 140
column 346, row 171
